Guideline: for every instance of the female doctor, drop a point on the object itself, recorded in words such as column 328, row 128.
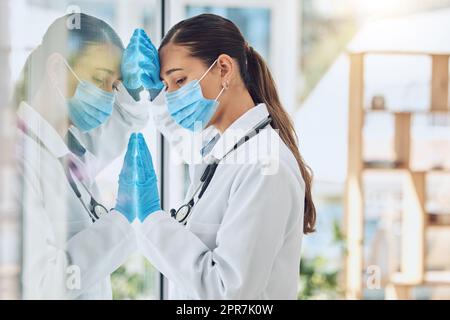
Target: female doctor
column 238, row 235
column 70, row 127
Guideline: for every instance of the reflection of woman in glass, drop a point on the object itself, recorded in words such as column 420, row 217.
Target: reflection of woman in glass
column 69, row 129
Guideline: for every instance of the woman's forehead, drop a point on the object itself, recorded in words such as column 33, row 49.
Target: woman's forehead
column 105, row 57
column 174, row 56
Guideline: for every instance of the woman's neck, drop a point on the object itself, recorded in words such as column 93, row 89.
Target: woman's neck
column 238, row 102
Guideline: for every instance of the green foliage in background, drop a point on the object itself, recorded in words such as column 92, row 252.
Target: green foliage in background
column 136, row 279
column 317, row 280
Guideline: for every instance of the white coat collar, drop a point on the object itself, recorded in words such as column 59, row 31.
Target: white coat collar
column 39, row 127
column 239, row 128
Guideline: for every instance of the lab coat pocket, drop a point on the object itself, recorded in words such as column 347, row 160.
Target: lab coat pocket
column 206, row 232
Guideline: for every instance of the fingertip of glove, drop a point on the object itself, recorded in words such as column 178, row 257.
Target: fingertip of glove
column 132, row 143
column 155, row 92
column 138, row 31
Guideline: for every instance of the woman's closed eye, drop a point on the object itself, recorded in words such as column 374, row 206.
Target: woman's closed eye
column 176, row 83
column 180, row 81
column 99, row 81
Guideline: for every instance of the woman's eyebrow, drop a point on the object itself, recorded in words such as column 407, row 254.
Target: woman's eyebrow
column 106, row 70
column 168, row 72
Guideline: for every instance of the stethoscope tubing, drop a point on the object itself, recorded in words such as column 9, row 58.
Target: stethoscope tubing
column 209, row 173
column 67, row 170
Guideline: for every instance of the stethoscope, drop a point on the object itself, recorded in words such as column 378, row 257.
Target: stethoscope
column 185, row 210
column 95, row 210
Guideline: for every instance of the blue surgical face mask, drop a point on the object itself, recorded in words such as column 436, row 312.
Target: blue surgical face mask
column 189, row 108
column 90, row 106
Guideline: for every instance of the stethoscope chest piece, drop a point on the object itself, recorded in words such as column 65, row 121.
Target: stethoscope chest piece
column 183, row 212
column 98, row 210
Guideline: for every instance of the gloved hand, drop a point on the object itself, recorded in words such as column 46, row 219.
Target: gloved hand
column 147, row 184
column 140, row 66
column 126, row 198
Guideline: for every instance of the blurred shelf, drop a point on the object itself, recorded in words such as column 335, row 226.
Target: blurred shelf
column 393, row 166
column 412, row 112
column 437, row 277
column 436, row 220
column 398, row 52
column 383, row 165
column 399, row 278
column 443, row 170
column 430, row 278
column 438, row 226
column 415, row 219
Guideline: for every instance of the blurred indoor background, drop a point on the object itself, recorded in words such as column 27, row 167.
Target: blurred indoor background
column 366, row 83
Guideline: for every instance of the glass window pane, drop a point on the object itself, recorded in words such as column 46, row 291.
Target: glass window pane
column 66, row 130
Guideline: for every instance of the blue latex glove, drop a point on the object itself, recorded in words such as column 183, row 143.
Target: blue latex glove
column 126, row 198
column 147, row 184
column 140, row 66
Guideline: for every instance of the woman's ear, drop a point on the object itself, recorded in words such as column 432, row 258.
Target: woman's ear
column 56, row 70
column 226, row 65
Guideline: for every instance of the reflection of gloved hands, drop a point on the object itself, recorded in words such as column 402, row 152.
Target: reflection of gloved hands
column 140, row 66
column 147, row 185
column 138, row 189
column 126, row 198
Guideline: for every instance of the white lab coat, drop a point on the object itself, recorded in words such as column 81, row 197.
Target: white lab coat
column 65, row 255
column 243, row 237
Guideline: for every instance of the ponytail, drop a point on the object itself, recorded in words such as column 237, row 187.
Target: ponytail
column 262, row 89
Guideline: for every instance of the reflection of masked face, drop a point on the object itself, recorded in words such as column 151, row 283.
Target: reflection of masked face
column 90, row 106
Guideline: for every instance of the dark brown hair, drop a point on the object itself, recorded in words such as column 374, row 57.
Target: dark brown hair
column 207, row 36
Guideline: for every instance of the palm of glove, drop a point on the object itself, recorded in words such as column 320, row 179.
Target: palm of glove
column 147, row 184
column 140, row 66
column 138, row 191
